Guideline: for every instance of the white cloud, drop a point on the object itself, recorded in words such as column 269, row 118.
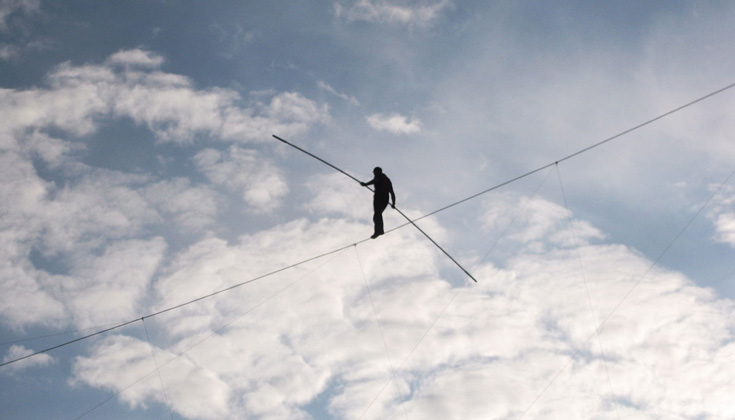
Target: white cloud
column 317, row 341
column 102, row 206
column 70, row 108
column 23, row 198
column 118, row 362
column 334, row 194
column 168, row 104
column 50, row 150
column 103, row 371
column 535, row 222
column 511, row 334
column 394, row 123
column 136, row 57
column 24, row 194
column 725, row 226
column 416, row 13
column 722, row 214
column 85, row 210
column 295, row 109
column 270, row 365
column 92, row 207
column 192, row 207
column 290, row 337
column 16, row 352
column 109, row 288
column 95, row 210
column 25, row 300
column 259, row 182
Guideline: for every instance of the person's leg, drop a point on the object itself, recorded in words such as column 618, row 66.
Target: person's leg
column 378, row 208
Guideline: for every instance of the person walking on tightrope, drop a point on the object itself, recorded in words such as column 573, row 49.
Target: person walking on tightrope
column 383, row 188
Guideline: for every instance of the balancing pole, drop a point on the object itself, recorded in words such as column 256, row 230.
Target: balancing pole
column 396, row 208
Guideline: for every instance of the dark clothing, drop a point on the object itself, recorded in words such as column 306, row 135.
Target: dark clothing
column 383, row 186
column 379, row 204
column 383, row 191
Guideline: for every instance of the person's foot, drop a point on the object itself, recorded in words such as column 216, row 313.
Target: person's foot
column 375, row 235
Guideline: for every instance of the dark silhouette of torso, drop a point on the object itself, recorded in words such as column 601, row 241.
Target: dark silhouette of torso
column 383, row 187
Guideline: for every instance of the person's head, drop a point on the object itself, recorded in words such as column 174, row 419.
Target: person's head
column 377, row 171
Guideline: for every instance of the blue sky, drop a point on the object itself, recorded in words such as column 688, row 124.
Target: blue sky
column 139, row 173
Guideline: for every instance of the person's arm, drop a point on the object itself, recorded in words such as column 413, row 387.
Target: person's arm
column 365, row 184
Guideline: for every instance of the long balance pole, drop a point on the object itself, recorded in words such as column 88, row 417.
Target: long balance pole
column 399, row 211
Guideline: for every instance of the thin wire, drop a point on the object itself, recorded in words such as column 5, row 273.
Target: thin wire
column 625, row 297
column 575, row 154
column 160, row 380
column 400, row 226
column 182, row 304
column 40, row 337
column 251, row 280
column 212, row 334
column 586, row 286
column 70, row 342
column 382, row 336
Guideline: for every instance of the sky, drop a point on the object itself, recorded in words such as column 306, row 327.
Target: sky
column 139, row 174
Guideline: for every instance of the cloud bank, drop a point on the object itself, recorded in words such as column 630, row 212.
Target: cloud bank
column 531, row 322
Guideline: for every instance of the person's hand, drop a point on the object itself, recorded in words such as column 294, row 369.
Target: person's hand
column 393, row 205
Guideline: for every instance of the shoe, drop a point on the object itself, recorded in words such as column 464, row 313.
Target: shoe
column 375, row 235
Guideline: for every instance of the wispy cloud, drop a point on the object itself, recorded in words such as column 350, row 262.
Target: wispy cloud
column 394, row 123
column 232, row 40
column 10, row 7
column 417, row 13
column 8, row 51
column 350, row 99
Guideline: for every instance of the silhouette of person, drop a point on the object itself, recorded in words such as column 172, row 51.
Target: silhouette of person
column 383, row 188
